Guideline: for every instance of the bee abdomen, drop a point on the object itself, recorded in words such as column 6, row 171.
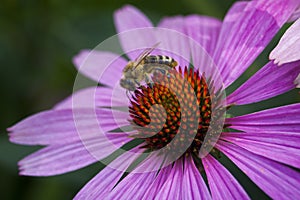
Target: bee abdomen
column 160, row 59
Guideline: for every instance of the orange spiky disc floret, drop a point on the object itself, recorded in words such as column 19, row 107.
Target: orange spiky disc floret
column 158, row 127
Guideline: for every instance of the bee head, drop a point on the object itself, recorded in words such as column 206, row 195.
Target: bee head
column 128, row 84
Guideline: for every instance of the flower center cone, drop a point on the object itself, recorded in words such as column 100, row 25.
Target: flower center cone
column 174, row 112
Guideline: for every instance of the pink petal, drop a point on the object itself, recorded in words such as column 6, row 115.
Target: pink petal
column 277, row 180
column 282, row 119
column 166, row 182
column 80, row 99
column 94, row 97
column 204, row 32
column 129, row 17
column 129, row 21
column 221, row 183
column 100, row 66
column 288, row 48
column 137, row 182
column 116, row 97
column 156, row 185
column 295, row 15
column 246, row 31
column 100, row 186
column 297, row 81
column 268, row 82
column 171, row 189
column 173, row 30
column 59, row 159
column 193, row 185
column 278, row 146
column 64, row 126
column 133, row 187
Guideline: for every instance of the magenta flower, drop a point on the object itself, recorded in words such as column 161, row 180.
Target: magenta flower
column 86, row 128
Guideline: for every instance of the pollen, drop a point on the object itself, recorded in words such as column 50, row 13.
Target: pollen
column 158, row 125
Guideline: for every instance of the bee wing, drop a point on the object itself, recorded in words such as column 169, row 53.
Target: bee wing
column 144, row 54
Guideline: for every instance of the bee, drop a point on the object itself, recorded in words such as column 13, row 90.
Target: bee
column 143, row 67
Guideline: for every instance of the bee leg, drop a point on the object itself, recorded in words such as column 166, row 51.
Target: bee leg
column 128, row 94
column 149, row 80
column 137, row 83
column 131, row 93
column 163, row 71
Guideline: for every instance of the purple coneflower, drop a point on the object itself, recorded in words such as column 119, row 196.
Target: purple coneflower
column 264, row 144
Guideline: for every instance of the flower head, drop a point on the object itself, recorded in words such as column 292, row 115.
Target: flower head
column 177, row 114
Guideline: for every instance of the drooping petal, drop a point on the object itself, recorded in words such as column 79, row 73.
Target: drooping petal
column 277, row 180
column 132, row 187
column 288, row 48
column 116, row 97
column 178, row 183
column 59, row 159
column 171, row 187
column 100, row 66
column 246, row 31
column 137, row 182
column 178, row 50
column 193, row 185
column 157, row 183
column 100, row 186
column 278, row 146
column 64, row 126
column 221, row 183
column 282, row 119
column 131, row 20
column 82, row 99
column 268, row 82
column 94, row 97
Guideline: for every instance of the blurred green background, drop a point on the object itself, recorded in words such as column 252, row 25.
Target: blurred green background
column 37, row 42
